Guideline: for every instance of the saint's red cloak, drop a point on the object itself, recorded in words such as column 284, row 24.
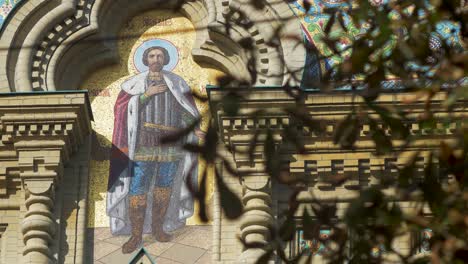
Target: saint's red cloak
column 119, row 159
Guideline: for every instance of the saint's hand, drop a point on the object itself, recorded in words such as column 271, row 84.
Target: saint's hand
column 155, row 89
column 200, row 134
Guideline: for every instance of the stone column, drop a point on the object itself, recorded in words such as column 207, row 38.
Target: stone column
column 40, row 173
column 258, row 216
column 38, row 225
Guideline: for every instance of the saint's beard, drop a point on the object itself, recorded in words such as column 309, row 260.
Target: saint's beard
column 155, row 67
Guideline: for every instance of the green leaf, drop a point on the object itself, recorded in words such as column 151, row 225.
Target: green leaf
column 231, row 103
column 258, row 4
column 201, row 198
column 421, row 260
column 225, row 80
column 407, row 174
column 383, row 144
column 288, row 229
column 303, row 116
column 325, row 213
column 306, row 5
column 308, row 225
column 198, row 192
column 347, row 131
column 211, row 144
column 429, row 123
column 461, row 255
column 253, row 144
column 432, row 189
column 374, row 81
column 265, row 258
column 173, row 137
column 398, row 127
column 330, row 23
column 295, row 137
column 246, row 43
column 358, row 58
column 272, row 164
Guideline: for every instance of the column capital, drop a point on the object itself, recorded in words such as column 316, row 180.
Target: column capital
column 256, row 182
column 39, row 186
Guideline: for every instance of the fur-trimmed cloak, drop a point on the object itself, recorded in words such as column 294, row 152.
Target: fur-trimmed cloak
column 126, row 112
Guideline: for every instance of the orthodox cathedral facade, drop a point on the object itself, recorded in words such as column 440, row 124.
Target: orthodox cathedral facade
column 88, row 89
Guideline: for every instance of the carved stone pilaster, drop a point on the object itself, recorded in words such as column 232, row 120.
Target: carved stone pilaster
column 41, row 168
column 258, row 217
column 3, row 181
column 39, row 132
column 38, row 225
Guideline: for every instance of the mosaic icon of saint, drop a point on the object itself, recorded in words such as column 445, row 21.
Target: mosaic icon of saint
column 147, row 191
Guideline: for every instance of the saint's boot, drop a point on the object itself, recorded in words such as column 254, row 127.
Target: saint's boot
column 161, row 197
column 136, row 210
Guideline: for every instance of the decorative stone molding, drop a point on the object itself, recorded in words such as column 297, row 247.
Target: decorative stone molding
column 237, row 131
column 53, row 40
column 39, row 133
column 3, row 181
column 322, row 162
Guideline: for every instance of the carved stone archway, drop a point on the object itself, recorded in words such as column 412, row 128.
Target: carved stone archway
column 49, row 35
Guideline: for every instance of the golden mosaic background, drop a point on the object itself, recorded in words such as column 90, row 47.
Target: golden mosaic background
column 104, row 85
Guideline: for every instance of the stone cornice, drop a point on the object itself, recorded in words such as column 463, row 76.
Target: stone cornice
column 328, row 108
column 41, row 129
column 44, row 120
column 322, row 161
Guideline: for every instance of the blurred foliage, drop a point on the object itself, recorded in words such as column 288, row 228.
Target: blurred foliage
column 399, row 41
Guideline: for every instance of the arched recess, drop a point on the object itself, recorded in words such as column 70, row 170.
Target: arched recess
column 62, row 41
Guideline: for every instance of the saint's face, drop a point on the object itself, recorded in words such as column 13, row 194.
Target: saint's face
column 156, row 60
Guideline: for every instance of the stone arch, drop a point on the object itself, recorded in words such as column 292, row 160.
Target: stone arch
column 51, row 34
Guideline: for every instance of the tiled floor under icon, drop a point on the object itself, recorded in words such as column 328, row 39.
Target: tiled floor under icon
column 190, row 245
